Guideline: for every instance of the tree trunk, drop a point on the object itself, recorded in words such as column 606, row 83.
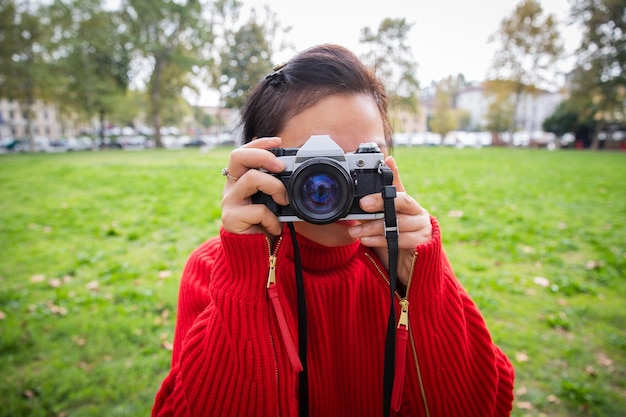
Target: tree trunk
column 28, row 114
column 595, row 138
column 102, row 128
column 155, row 99
column 513, row 125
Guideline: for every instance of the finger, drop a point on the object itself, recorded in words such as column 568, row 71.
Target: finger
column 397, row 181
column 403, row 203
column 413, row 231
column 250, row 219
column 406, row 224
column 263, row 143
column 250, row 183
column 254, row 155
column 405, row 240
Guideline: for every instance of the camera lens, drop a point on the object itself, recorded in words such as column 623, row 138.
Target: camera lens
column 320, row 191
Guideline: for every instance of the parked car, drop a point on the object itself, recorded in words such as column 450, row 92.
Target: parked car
column 133, row 142
column 14, row 145
column 81, row 143
column 195, row 143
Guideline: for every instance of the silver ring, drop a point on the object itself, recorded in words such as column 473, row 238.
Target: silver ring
column 227, row 175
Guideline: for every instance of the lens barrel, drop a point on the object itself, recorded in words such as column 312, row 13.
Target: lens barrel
column 320, row 191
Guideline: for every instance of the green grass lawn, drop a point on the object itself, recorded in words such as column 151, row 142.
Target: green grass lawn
column 92, row 246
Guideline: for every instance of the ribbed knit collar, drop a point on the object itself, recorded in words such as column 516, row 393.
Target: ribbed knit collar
column 316, row 257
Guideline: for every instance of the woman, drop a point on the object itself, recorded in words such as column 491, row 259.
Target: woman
column 253, row 340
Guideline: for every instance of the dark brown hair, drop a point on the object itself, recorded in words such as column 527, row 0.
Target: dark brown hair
column 307, row 78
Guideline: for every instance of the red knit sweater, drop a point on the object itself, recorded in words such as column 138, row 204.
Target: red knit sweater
column 231, row 356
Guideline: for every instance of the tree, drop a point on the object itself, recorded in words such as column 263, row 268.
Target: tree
column 23, row 67
column 500, row 112
column 446, row 117
column 599, row 79
column 93, row 64
column 392, row 59
column 247, row 52
column 442, row 120
column 563, row 120
column 175, row 38
column 530, row 46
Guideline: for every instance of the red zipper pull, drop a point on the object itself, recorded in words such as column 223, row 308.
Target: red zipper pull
column 272, row 292
column 402, row 336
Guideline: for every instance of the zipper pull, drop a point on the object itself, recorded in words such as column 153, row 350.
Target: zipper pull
column 272, row 292
column 404, row 313
column 271, row 277
column 402, row 336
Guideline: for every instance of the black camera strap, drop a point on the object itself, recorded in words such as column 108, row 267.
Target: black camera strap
column 302, row 331
column 391, row 234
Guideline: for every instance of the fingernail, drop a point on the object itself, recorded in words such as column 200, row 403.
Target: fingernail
column 354, row 231
column 367, row 202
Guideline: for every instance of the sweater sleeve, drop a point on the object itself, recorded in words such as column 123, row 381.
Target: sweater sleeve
column 221, row 300
column 460, row 371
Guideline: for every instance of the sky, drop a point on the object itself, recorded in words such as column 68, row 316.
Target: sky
column 448, row 37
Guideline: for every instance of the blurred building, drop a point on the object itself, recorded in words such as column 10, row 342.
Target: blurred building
column 409, row 122
column 533, row 109
column 44, row 121
column 222, row 120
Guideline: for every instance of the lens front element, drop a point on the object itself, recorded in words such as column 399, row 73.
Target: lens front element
column 320, row 191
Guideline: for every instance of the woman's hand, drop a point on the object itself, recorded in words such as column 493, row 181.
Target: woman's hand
column 413, row 224
column 244, row 179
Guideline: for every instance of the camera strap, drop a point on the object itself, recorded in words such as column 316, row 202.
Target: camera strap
column 391, row 234
column 302, row 331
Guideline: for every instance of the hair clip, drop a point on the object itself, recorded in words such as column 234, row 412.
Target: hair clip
column 276, row 76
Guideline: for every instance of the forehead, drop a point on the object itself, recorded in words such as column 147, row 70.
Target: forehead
column 349, row 120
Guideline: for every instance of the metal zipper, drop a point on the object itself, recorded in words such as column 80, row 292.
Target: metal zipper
column 404, row 319
column 269, row 317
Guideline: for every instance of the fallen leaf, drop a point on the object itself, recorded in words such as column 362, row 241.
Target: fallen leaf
column 594, row 264
column 2, row 315
column 54, row 282
column 165, row 274
column 55, row 309
column 85, row 366
column 455, row 213
column 524, row 405
column 79, row 340
column 521, row 357
column 37, row 278
column 553, row 399
column 542, row 281
column 604, row 360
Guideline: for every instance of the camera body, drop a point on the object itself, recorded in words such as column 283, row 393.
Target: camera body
column 324, row 184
